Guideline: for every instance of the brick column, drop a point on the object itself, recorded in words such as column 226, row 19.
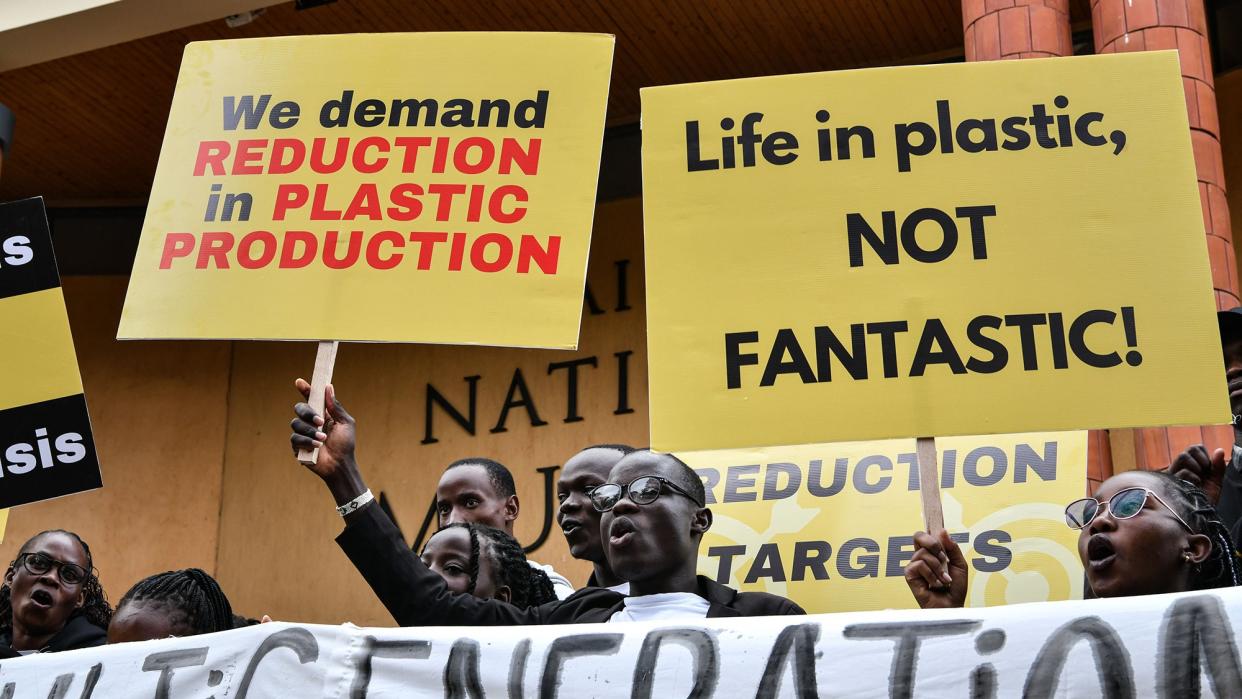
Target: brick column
column 1004, row 29
column 1152, row 25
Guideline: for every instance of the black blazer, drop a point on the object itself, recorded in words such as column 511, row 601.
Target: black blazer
column 416, row 596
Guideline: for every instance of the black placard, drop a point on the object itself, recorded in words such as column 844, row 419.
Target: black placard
column 27, row 262
column 46, row 450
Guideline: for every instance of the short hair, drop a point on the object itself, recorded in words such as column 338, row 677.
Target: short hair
column 528, row 586
column 623, row 448
column 497, row 473
column 690, row 479
column 96, row 608
column 192, row 597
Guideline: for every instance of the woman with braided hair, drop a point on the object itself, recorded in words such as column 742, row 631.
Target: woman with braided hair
column 51, row 599
column 176, row 603
column 1142, row 533
column 475, row 559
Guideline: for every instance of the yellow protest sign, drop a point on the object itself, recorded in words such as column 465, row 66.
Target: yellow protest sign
column 926, row 251
column 393, row 187
column 830, row 525
column 46, row 446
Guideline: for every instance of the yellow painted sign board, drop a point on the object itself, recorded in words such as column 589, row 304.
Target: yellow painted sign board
column 830, row 525
column 47, row 449
column 926, row 251
column 434, row 187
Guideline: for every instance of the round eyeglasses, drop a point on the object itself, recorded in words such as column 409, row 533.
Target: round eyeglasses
column 1123, row 505
column 642, row 491
column 40, row 564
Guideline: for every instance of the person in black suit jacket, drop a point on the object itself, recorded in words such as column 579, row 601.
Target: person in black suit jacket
column 652, row 543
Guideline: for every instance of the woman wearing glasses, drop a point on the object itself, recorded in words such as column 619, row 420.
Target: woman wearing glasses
column 1144, row 533
column 51, row 600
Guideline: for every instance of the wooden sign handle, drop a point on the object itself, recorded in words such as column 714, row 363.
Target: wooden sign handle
column 929, row 485
column 325, row 359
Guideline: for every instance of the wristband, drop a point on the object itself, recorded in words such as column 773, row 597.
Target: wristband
column 355, row 504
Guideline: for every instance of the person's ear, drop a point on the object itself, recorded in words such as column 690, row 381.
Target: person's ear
column 503, row 593
column 512, row 507
column 1198, row 548
column 701, row 522
column 81, row 602
column 8, row 576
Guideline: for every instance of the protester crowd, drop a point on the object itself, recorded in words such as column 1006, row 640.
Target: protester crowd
column 638, row 517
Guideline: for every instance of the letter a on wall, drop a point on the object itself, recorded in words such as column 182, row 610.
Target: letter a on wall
column 46, row 446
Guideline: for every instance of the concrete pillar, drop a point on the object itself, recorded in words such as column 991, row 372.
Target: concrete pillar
column 1153, row 25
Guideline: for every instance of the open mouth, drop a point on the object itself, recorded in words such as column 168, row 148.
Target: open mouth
column 571, row 527
column 1100, row 551
column 42, row 598
column 621, row 532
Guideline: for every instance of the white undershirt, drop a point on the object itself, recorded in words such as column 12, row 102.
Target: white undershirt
column 666, row 605
column 623, row 588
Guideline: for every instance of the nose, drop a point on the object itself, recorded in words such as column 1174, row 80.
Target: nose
column 625, row 505
column 571, row 503
column 1103, row 522
column 454, row 516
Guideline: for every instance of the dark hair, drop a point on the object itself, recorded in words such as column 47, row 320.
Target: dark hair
column 528, row 586
column 1220, row 568
column 498, row 473
column 193, row 599
column 623, row 448
column 95, row 608
column 689, row 479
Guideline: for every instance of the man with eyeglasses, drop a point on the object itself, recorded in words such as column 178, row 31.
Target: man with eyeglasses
column 1220, row 475
column 653, row 520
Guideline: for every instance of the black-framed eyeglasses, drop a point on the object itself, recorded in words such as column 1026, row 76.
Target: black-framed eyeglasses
column 39, row 563
column 1123, row 505
column 642, row 491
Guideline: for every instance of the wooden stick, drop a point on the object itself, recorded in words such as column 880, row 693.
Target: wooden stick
column 929, row 485
column 325, row 359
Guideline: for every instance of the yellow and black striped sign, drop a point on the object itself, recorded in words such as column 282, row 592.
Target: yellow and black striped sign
column 46, row 446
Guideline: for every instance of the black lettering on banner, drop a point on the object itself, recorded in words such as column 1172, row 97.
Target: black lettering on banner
column 767, row 564
column 299, row 640
column 796, row 645
column 27, row 263
column 907, row 637
column 568, row 647
column 1196, row 632
column 737, row 478
column 92, row 679
column 726, row 553
column 61, row 687
column 703, row 652
column 815, row 481
column 1112, row 662
column 571, row 383
column 7, row 692
column 517, row 668
column 870, row 562
column 166, row 663
column 711, row 479
column 373, row 648
column 1025, row 459
column 986, row 545
column 813, row 556
column 793, row 481
column 461, row 672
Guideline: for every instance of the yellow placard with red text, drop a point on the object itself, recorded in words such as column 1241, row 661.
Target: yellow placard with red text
column 980, row 248
column 431, row 187
column 830, row 525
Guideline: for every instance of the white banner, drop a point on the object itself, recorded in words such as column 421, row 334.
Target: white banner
column 1168, row 646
